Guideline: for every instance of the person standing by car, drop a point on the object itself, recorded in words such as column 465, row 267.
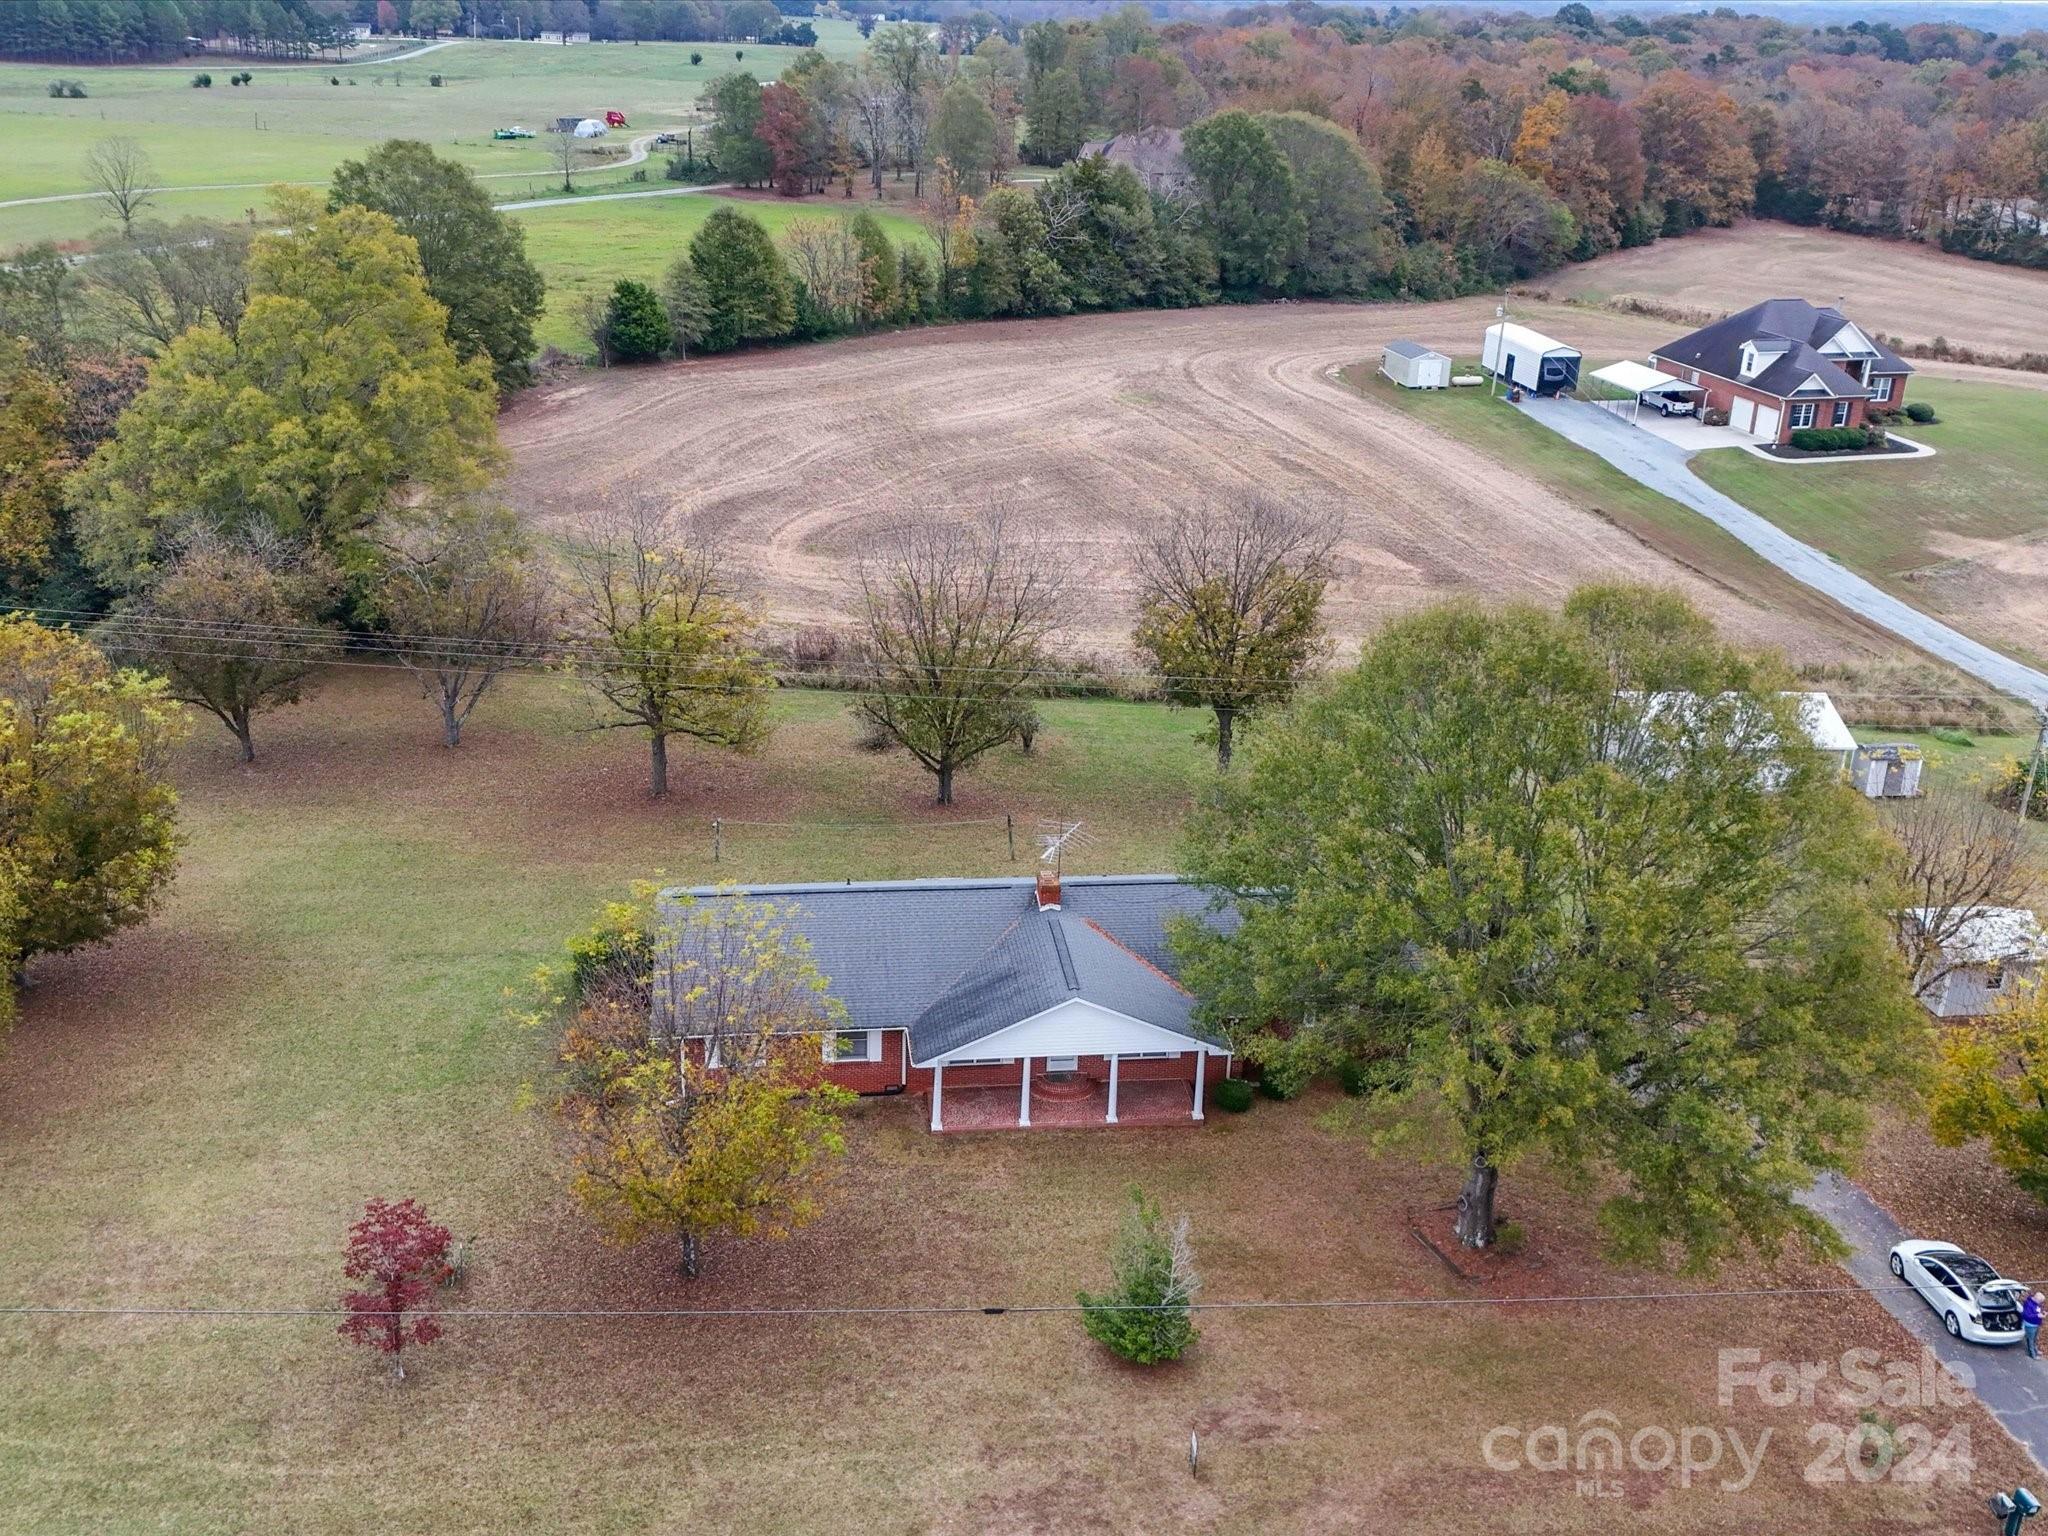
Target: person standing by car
column 2030, row 1324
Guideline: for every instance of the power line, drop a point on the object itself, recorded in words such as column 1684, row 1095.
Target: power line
column 567, row 651
column 961, row 1309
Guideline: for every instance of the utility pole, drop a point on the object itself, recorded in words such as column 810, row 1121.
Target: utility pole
column 2034, row 764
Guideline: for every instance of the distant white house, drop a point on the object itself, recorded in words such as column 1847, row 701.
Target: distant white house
column 1987, row 958
column 1821, row 723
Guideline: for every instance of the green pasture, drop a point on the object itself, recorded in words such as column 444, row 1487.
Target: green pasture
column 583, row 247
column 292, row 124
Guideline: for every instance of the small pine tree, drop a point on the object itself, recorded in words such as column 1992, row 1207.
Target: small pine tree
column 1145, row 1316
column 636, row 326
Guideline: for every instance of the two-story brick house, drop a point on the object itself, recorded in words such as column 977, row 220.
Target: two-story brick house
column 1786, row 364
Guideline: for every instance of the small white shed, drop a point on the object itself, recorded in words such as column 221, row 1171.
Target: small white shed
column 1414, row 366
column 1529, row 358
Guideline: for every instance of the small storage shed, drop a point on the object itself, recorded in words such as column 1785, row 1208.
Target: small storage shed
column 1413, row 366
column 1888, row 770
column 1529, row 358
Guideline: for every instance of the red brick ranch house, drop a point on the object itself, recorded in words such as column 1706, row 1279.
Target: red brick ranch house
column 1784, row 365
column 1005, row 1002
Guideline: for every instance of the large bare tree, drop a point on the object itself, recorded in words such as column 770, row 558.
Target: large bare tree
column 120, row 172
column 1230, row 603
column 663, row 635
column 462, row 597
column 955, row 623
column 1956, row 852
column 233, row 623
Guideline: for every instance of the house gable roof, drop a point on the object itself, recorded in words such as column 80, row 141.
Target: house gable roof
column 952, row 961
column 1797, row 331
column 1987, row 935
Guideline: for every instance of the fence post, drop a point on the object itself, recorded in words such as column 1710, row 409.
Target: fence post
column 1010, row 831
column 717, row 839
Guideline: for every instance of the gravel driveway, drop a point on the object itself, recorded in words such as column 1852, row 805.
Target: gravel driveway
column 1662, row 467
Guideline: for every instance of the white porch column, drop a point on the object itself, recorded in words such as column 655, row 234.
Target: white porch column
column 1201, row 1060
column 938, row 1087
column 1112, row 1090
column 1024, row 1095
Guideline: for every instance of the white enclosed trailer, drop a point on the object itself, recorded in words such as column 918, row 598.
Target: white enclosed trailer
column 1529, row 358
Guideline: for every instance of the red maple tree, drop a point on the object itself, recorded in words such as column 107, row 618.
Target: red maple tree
column 786, row 127
column 404, row 1257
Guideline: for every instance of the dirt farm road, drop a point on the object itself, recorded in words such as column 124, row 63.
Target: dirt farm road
column 1096, row 427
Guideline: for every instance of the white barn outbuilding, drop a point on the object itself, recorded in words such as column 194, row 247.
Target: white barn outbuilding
column 1414, row 366
column 1529, row 358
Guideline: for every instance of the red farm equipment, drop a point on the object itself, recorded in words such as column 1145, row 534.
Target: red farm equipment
column 615, row 119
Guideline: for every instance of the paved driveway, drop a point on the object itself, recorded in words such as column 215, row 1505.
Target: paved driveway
column 2013, row 1387
column 1661, row 466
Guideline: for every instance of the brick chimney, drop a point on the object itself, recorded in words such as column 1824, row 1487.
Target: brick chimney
column 1048, row 890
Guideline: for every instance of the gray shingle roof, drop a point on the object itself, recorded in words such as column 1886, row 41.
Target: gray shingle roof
column 1801, row 327
column 1411, row 349
column 954, row 960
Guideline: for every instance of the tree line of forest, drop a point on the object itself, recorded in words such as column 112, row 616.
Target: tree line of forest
column 1497, row 142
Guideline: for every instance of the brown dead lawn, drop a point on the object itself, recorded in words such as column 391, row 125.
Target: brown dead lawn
column 192, row 1114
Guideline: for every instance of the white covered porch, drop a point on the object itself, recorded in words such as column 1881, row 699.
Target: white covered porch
column 1077, row 1064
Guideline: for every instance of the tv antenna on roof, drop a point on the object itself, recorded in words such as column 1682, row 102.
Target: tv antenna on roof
column 1055, row 838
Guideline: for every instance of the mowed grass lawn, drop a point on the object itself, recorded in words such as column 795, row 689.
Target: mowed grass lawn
column 1487, row 422
column 191, row 1116
column 291, row 124
column 583, row 248
column 1988, row 481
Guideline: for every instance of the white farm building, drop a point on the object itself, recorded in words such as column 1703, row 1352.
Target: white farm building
column 1414, row 366
column 1529, row 358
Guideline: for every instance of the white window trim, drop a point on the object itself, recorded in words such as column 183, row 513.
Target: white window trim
column 871, row 1046
column 1841, row 413
column 1797, row 407
column 1150, row 1055
column 1882, row 384
column 1994, row 976
column 984, row 1061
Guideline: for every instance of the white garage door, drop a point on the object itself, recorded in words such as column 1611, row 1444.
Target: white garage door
column 1767, row 422
column 1742, row 414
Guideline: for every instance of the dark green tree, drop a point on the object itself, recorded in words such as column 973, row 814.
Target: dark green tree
column 879, row 276
column 737, row 148
column 964, row 135
column 1249, row 199
column 1055, row 117
column 473, row 256
column 636, row 325
column 1344, row 245
column 1563, row 882
column 746, row 288
column 1012, row 272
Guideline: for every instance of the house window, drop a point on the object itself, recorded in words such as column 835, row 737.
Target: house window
column 1994, row 978
column 1802, row 415
column 1883, row 385
column 853, row 1045
column 983, row 1061
column 1841, row 413
column 1148, row 1055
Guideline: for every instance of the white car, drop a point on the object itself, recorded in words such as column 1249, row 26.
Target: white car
column 1973, row 1301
